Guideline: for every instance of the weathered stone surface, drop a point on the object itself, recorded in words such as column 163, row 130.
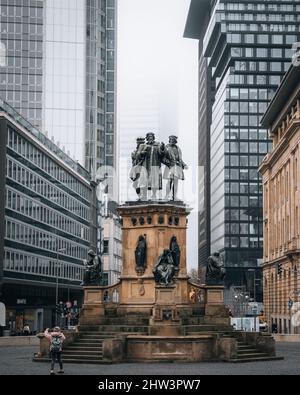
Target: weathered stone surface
column 146, row 321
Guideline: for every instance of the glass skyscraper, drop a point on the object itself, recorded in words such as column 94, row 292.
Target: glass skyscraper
column 58, row 69
column 246, row 47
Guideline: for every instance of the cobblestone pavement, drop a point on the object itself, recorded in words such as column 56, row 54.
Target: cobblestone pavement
column 18, row 361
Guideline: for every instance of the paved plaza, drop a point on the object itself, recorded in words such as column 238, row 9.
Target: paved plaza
column 18, row 361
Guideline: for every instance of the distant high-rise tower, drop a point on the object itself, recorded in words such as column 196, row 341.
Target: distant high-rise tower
column 244, row 50
column 58, row 69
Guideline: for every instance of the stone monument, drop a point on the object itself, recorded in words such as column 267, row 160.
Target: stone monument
column 151, row 308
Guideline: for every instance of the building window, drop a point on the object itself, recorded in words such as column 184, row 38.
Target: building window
column 2, row 55
column 105, row 246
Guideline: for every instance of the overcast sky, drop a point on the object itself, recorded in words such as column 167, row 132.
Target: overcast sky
column 154, row 60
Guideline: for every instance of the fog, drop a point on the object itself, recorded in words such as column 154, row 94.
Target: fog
column 157, row 90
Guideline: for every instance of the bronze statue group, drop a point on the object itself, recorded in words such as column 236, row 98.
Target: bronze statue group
column 147, row 161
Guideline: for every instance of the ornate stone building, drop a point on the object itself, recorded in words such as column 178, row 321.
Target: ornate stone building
column 281, row 191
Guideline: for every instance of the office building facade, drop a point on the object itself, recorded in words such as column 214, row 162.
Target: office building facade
column 281, row 182
column 112, row 245
column 248, row 48
column 48, row 223
column 58, row 69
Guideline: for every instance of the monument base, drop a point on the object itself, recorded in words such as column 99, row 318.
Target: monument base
column 155, row 313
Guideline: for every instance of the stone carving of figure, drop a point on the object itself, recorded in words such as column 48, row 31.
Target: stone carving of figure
column 165, row 269
column 93, row 270
column 141, row 254
column 215, row 270
column 174, row 167
column 150, row 157
column 138, row 173
column 175, row 250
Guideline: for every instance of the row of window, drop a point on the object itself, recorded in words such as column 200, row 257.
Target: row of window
column 249, row 94
column 243, row 188
column 243, row 242
column 32, row 264
column 245, row 107
column 30, row 97
column 258, row 7
column 243, row 160
column 237, row 16
column 18, row 80
column 34, row 29
column 242, row 120
column 237, row 215
column 258, row 79
column 260, row 66
column 31, row 153
column 40, row 186
column 260, row 39
column 262, row 27
column 25, row 205
column 243, row 201
column 18, row 10
column 236, row 228
column 245, row 147
column 25, row 234
column 14, row 63
column 15, row 47
column 242, row 174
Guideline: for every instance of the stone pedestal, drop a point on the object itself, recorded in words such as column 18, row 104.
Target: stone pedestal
column 93, row 306
column 214, row 294
column 165, row 319
column 214, row 306
column 158, row 222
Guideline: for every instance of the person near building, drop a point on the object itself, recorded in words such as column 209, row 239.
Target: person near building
column 56, row 338
column 26, row 330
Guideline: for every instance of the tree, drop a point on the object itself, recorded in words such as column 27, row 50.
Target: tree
column 193, row 274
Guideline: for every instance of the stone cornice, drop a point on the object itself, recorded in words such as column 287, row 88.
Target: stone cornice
column 137, row 208
column 273, row 156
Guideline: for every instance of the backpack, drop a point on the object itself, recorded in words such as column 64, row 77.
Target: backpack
column 56, row 344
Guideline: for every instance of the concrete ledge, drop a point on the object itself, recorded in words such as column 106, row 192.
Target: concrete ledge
column 171, row 348
column 19, row 341
column 179, row 338
column 287, row 338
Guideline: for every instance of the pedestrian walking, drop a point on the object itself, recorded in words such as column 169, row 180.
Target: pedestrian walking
column 56, row 338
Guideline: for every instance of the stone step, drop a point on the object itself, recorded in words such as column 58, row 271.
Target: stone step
column 75, row 347
column 87, row 344
column 98, row 333
column 83, row 352
column 96, row 337
column 246, row 351
column 206, row 332
column 108, row 334
column 79, row 357
column 242, row 346
column 113, row 328
column 125, row 321
column 207, row 327
column 95, row 361
column 255, row 359
column 252, row 355
column 88, row 361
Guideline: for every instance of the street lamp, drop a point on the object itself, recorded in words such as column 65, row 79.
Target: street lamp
column 56, row 289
